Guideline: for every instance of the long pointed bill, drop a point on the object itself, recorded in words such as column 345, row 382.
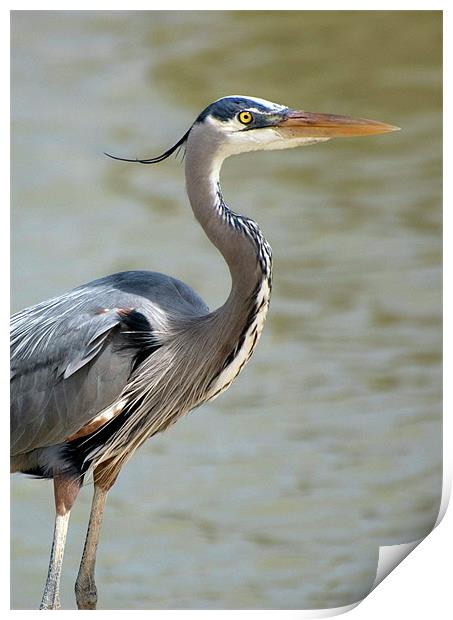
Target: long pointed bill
column 301, row 124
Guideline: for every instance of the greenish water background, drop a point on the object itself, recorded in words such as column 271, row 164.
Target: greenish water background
column 278, row 494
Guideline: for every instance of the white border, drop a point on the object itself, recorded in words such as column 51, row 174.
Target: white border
column 232, row 5
column 421, row 585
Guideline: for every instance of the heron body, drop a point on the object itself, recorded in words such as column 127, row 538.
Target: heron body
column 100, row 369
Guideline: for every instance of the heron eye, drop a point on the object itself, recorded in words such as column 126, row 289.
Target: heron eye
column 245, row 117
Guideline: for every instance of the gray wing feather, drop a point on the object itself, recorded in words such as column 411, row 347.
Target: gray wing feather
column 93, row 346
column 65, row 360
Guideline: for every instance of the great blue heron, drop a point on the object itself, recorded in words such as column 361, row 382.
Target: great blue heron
column 98, row 370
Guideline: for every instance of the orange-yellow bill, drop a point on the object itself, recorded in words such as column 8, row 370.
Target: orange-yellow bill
column 316, row 125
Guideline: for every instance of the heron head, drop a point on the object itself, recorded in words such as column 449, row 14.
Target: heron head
column 238, row 124
column 241, row 124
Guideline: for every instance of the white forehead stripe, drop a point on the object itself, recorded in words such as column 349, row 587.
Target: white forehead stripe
column 268, row 104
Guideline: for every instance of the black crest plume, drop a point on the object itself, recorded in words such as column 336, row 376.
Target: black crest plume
column 155, row 160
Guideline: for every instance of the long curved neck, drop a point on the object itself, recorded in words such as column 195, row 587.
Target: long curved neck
column 238, row 238
column 202, row 358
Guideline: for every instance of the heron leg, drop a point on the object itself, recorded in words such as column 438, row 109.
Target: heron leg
column 85, row 586
column 66, row 489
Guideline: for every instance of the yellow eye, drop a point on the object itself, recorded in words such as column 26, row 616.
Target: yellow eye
column 245, row 117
